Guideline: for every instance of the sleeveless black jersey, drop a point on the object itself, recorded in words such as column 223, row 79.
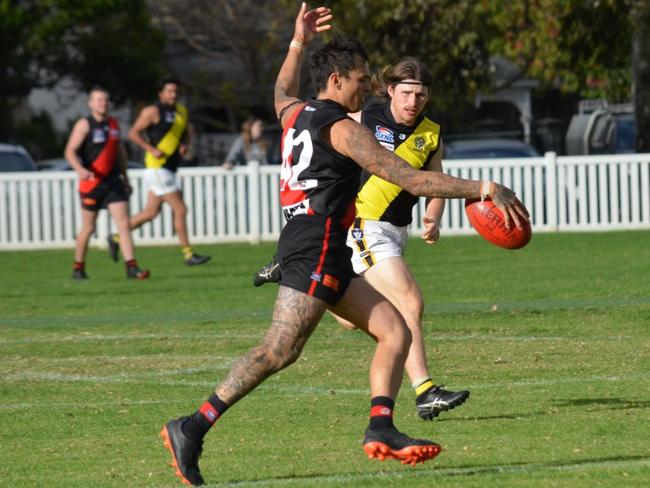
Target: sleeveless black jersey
column 166, row 135
column 98, row 151
column 377, row 198
column 315, row 179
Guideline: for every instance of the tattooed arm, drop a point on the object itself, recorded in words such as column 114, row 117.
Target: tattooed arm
column 288, row 81
column 357, row 142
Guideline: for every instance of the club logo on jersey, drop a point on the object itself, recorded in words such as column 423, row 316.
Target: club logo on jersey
column 419, row 143
column 115, row 133
column 316, row 276
column 357, row 234
column 309, row 108
column 402, row 137
column 384, row 134
column 99, row 136
column 169, row 117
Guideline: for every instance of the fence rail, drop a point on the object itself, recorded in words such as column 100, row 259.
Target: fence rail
column 568, row 193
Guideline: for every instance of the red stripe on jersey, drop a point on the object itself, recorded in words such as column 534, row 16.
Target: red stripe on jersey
column 321, row 260
column 105, row 161
column 380, row 411
column 287, row 196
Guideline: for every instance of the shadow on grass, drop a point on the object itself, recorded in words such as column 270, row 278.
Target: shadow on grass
column 610, row 403
column 341, row 479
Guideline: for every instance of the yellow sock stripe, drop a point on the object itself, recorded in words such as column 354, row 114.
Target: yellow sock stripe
column 423, row 387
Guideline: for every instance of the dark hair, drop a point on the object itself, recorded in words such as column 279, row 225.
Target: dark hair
column 340, row 55
column 167, row 80
column 407, row 68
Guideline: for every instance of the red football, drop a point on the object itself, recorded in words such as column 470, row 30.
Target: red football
column 488, row 221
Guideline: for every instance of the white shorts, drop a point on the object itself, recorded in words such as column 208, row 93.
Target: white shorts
column 373, row 241
column 160, row 181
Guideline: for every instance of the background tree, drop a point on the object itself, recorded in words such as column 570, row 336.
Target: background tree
column 106, row 42
column 240, row 45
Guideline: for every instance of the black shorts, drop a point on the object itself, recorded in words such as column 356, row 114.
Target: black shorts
column 314, row 257
column 105, row 193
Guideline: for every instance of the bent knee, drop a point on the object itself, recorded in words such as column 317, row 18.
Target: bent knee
column 275, row 359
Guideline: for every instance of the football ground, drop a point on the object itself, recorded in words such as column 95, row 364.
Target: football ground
column 553, row 341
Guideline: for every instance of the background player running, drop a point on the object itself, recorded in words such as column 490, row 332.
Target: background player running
column 95, row 152
column 165, row 124
column 384, row 210
column 323, row 152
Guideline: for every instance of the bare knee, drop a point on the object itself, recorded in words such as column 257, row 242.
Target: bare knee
column 413, row 307
column 274, row 358
column 180, row 211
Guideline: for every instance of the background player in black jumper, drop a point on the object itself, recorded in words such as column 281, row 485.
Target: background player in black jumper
column 323, row 152
column 95, row 152
column 165, row 124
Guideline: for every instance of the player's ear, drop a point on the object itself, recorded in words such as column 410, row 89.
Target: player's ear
column 335, row 79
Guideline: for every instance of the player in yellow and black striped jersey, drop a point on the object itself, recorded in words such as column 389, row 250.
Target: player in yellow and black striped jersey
column 384, row 210
column 162, row 131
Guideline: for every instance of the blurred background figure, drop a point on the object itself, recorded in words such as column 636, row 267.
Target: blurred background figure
column 249, row 146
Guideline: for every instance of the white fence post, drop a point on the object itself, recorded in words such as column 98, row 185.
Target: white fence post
column 254, row 207
column 550, row 164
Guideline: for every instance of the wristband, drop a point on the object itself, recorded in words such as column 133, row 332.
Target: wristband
column 296, row 45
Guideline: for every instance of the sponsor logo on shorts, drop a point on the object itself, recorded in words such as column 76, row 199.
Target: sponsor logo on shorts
column 331, row 282
column 88, row 201
column 316, row 276
column 384, row 134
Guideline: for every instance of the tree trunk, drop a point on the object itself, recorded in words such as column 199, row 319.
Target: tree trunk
column 641, row 73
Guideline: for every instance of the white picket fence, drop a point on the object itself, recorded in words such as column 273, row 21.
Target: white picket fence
column 571, row 193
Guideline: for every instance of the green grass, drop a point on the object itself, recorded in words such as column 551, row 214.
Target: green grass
column 552, row 340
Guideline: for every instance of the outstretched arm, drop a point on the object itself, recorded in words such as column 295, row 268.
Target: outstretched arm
column 357, row 142
column 308, row 23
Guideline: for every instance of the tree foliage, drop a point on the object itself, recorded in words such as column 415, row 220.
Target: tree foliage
column 106, row 42
column 575, row 45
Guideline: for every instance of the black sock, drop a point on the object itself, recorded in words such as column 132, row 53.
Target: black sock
column 381, row 412
column 200, row 421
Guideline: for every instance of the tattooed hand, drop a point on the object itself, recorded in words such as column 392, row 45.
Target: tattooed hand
column 506, row 200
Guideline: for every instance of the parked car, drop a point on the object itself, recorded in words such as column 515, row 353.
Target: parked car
column 61, row 164
column 15, row 158
column 488, row 149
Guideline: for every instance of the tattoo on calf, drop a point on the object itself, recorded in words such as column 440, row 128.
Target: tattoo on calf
column 294, row 319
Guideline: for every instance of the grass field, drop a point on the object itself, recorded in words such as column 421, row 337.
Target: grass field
column 552, row 340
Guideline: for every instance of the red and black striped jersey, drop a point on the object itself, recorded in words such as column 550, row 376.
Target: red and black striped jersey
column 98, row 151
column 316, row 179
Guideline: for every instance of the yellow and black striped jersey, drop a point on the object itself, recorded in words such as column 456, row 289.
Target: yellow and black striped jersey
column 378, row 199
column 167, row 135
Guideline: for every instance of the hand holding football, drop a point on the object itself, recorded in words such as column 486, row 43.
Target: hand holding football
column 489, row 222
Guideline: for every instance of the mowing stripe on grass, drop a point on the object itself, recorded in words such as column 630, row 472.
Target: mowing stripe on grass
column 264, row 314
column 227, row 335
column 342, row 479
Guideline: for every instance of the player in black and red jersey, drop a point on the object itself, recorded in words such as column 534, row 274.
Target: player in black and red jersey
column 95, row 152
column 323, row 152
